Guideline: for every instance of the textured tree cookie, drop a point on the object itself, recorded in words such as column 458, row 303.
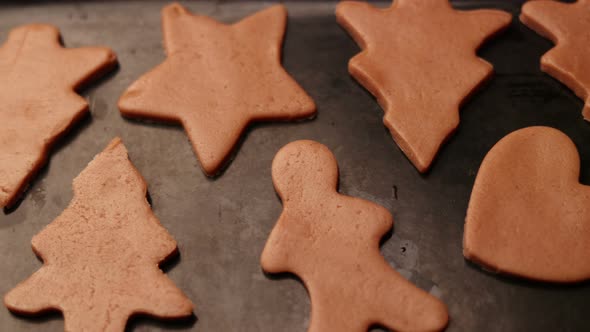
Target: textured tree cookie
column 101, row 254
column 38, row 103
column 419, row 61
column 567, row 25
column 528, row 215
column 331, row 242
column 217, row 79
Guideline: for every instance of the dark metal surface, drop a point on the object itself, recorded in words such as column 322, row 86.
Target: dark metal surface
column 221, row 225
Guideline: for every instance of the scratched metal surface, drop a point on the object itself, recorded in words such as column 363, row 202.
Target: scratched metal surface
column 221, row 225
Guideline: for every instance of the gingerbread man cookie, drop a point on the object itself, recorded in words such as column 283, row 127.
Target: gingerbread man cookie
column 331, row 242
column 217, row 79
column 38, row 102
column 567, row 25
column 101, row 254
column 419, row 60
column 528, row 214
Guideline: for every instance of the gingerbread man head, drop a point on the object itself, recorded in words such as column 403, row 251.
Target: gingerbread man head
column 302, row 169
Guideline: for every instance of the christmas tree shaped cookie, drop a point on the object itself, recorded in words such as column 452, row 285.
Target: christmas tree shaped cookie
column 38, row 102
column 217, row 79
column 331, row 242
column 567, row 25
column 101, row 254
column 419, row 60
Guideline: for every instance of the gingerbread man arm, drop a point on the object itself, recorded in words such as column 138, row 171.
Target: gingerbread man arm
column 274, row 258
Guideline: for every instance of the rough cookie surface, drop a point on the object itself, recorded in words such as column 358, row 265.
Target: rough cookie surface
column 38, row 102
column 331, row 242
column 418, row 59
column 101, row 254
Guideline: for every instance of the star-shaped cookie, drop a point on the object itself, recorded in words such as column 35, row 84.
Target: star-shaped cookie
column 217, row 79
column 419, row 61
column 101, row 254
column 568, row 26
column 38, row 102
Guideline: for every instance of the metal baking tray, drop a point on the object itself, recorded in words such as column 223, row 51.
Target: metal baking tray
column 221, row 224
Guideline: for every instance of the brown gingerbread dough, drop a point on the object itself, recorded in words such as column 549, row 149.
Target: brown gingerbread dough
column 528, row 215
column 217, row 79
column 38, row 102
column 101, row 254
column 418, row 59
column 567, row 25
column 331, row 242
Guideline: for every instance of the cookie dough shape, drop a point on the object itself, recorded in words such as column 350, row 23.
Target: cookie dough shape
column 567, row 25
column 418, row 59
column 331, row 242
column 528, row 215
column 38, row 102
column 101, row 254
column 217, row 79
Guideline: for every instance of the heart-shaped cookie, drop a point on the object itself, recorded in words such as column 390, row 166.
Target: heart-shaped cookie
column 528, row 215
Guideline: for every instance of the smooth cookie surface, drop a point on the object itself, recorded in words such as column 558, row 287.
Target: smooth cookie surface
column 528, row 214
column 217, row 79
column 418, row 59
